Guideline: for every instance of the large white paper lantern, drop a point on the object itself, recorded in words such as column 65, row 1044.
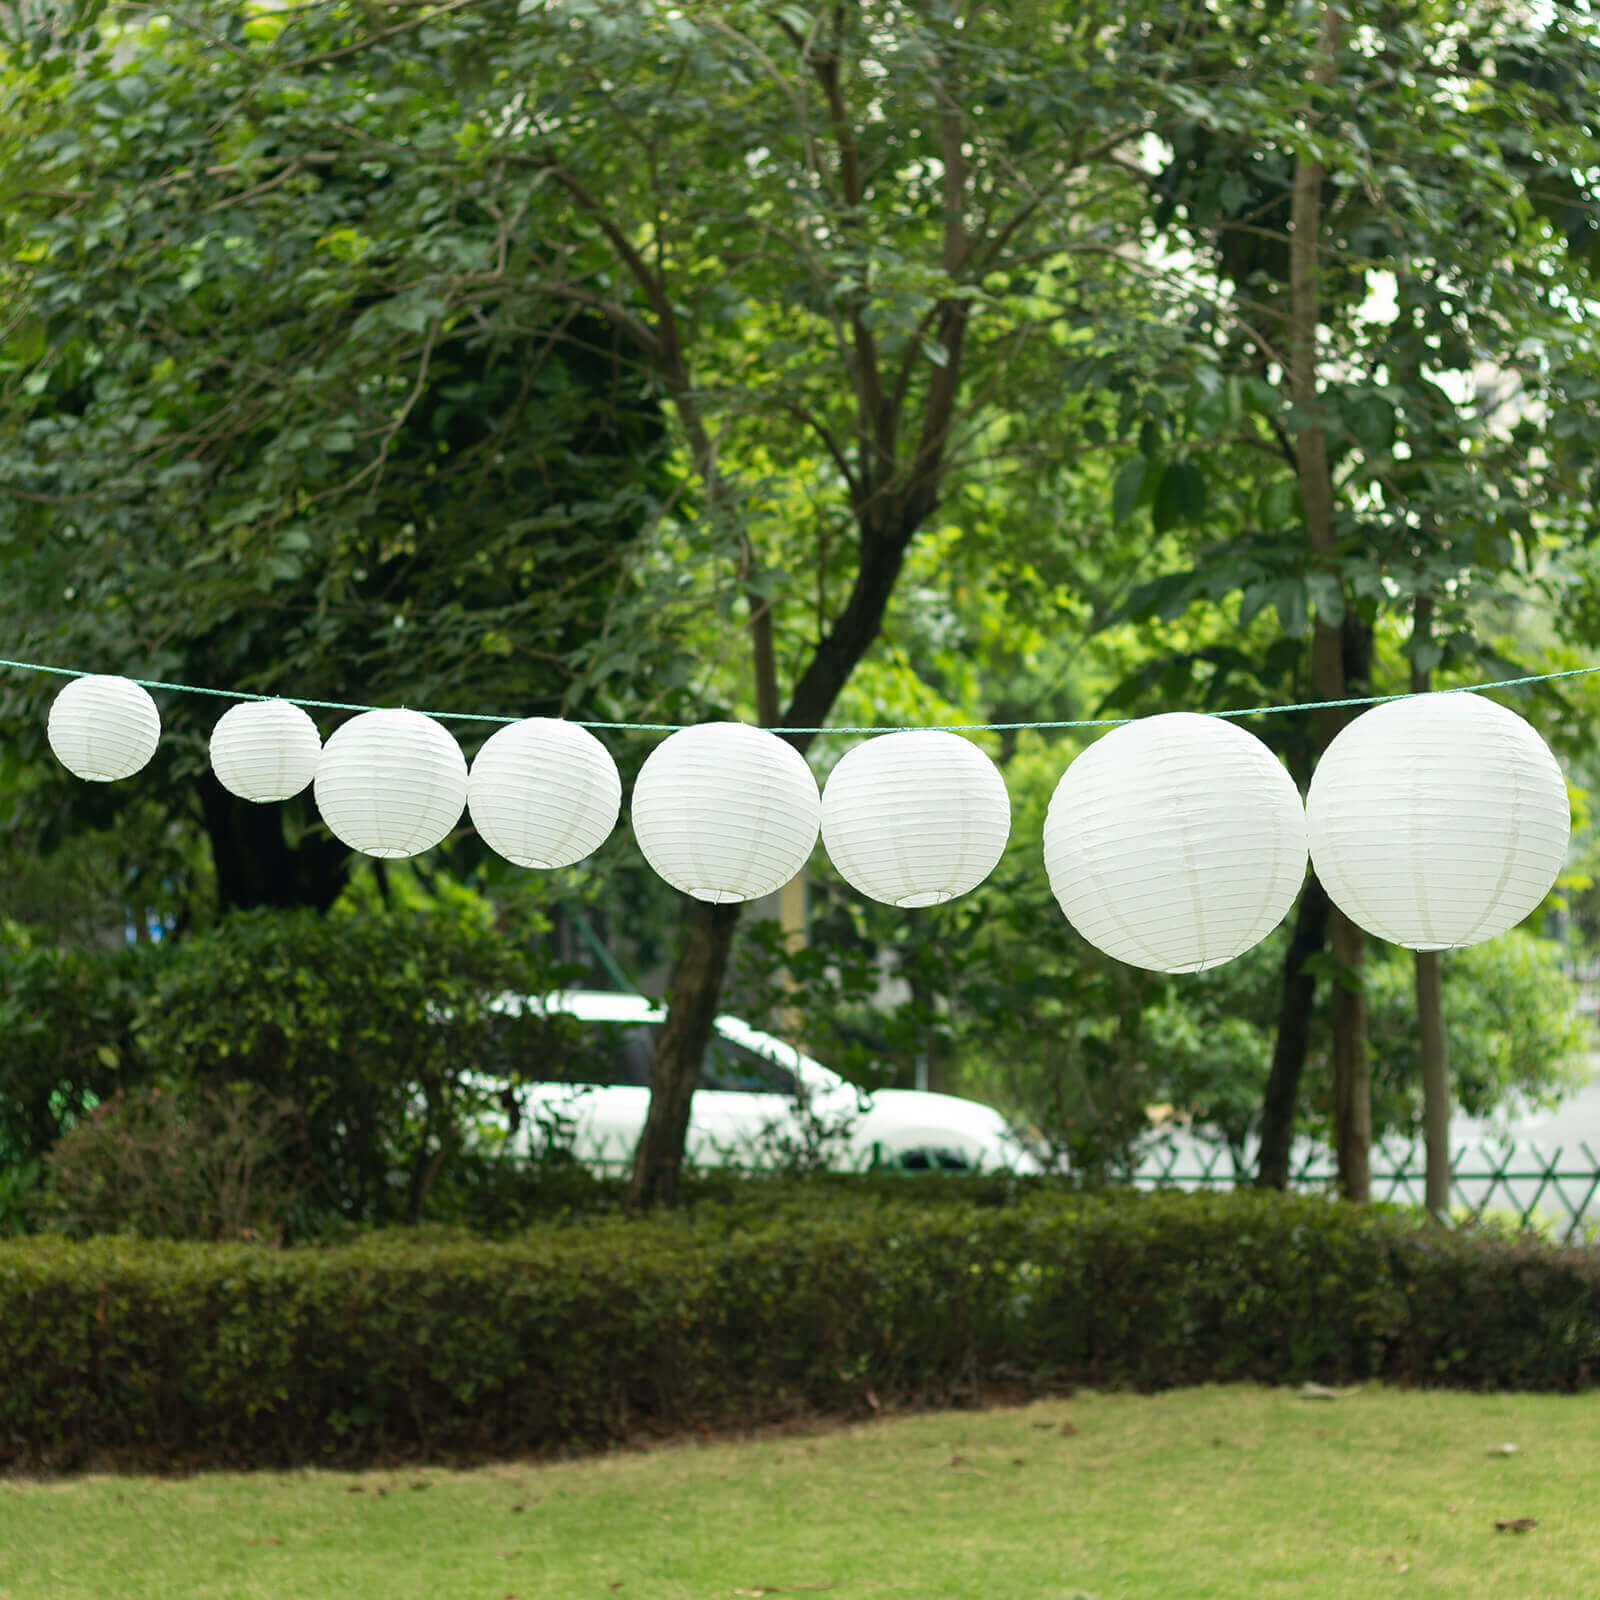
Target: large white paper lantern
column 543, row 793
column 1437, row 821
column 265, row 750
column 103, row 728
column 1176, row 842
column 914, row 819
column 391, row 783
column 725, row 811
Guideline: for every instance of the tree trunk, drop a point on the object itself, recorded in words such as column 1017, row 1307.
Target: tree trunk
column 1435, row 1082
column 792, row 920
column 1347, row 1003
column 693, row 994
column 1282, row 1093
column 792, row 895
column 255, row 866
column 1430, row 1005
column 1352, row 1082
column 892, row 494
column 1351, row 1088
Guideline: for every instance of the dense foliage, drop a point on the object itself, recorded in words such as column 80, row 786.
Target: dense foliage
column 364, row 1029
column 372, row 1025
column 525, row 356
column 1093, row 1054
column 194, row 1162
column 66, row 1033
column 784, row 1302
column 361, row 1032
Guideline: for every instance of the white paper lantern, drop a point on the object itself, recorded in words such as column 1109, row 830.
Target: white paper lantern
column 1437, row 821
column 1176, row 842
column 914, row 819
column 265, row 750
column 544, row 793
column 391, row 783
column 103, row 728
column 725, row 811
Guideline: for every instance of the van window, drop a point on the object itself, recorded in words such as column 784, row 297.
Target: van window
column 613, row 1054
column 931, row 1160
column 726, row 1066
column 631, row 1055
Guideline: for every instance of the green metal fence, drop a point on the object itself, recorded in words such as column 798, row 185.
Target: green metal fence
column 1557, row 1189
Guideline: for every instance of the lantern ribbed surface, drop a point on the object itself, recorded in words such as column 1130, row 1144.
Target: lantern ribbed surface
column 1176, row 842
column 1438, row 821
column 914, row 819
column 544, row 793
column 391, row 783
column 103, row 728
column 265, row 750
column 725, row 811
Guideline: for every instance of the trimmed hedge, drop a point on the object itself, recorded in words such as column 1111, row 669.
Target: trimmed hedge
column 442, row 1345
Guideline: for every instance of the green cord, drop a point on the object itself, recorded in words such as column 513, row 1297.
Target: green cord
column 949, row 727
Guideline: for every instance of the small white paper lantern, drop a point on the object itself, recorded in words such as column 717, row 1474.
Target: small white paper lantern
column 544, row 793
column 1438, row 821
column 914, row 819
column 725, row 811
column 265, row 750
column 391, row 783
column 103, row 728
column 1176, row 842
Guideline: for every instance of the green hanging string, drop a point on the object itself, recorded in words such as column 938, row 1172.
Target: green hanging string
column 947, row 727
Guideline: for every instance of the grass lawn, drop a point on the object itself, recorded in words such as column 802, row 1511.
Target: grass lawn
column 1205, row 1492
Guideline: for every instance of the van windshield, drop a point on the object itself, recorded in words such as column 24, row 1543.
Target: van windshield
column 618, row 1055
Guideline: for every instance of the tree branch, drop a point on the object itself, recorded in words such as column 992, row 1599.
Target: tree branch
column 878, row 426
column 431, row 15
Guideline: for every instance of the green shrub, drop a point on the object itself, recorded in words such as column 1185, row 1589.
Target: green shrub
column 372, row 1024
column 21, row 1197
column 771, row 1300
column 66, row 1019
column 207, row 1162
column 1511, row 1023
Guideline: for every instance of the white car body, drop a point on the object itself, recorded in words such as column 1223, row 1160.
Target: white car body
column 902, row 1128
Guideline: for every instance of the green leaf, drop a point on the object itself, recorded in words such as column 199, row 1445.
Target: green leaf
column 1180, row 496
column 1426, row 655
column 1125, row 488
column 1371, row 419
column 1288, row 597
column 1326, row 595
column 1253, row 601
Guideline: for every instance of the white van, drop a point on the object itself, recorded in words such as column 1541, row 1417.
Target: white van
column 757, row 1099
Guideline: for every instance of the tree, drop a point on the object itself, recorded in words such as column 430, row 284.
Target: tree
column 910, row 208
column 1428, row 967
column 224, row 382
column 831, row 244
column 1377, row 465
column 866, row 259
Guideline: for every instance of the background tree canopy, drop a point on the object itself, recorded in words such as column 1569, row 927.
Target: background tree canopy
column 887, row 362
